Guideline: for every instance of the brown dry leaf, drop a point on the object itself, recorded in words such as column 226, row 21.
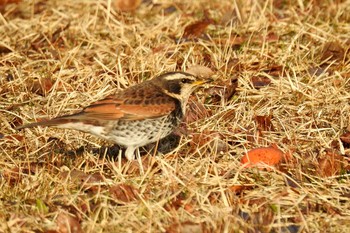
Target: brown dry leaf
column 275, row 70
column 200, row 71
column 126, row 5
column 260, row 81
column 330, row 164
column 345, row 138
column 186, row 227
column 260, row 157
column 271, row 37
column 223, row 90
column 124, row 193
column 40, row 86
column 90, row 182
column 196, row 111
column 66, row 223
column 333, row 51
column 14, row 137
column 176, row 202
column 4, row 2
column 264, row 123
column 196, row 29
column 213, row 139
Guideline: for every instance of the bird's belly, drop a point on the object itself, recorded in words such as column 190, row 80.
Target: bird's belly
column 139, row 133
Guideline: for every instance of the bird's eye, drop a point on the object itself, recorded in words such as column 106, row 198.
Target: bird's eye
column 185, row 80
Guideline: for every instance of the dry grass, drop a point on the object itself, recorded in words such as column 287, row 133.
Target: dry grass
column 87, row 50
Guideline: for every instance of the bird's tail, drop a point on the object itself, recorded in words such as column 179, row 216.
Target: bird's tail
column 52, row 122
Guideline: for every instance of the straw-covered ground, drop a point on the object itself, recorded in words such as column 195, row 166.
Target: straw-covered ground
column 281, row 78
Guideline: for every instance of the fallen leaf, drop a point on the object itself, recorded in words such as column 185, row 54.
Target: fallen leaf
column 90, row 182
column 40, row 86
column 126, row 5
column 66, row 223
column 260, row 81
column 196, row 111
column 260, row 157
column 213, row 140
column 332, row 51
column 176, row 202
column 264, row 123
column 345, row 138
column 222, row 90
column 124, row 193
column 14, row 137
column 330, row 164
column 196, row 29
column 200, row 71
column 271, row 37
column 5, row 2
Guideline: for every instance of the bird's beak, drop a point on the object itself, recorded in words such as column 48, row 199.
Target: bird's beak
column 202, row 81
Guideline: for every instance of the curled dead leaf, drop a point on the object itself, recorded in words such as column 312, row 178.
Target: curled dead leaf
column 200, row 71
column 222, row 90
column 196, row 29
column 260, row 157
column 196, row 111
column 124, row 193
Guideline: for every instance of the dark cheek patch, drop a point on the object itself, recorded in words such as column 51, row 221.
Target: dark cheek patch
column 174, row 87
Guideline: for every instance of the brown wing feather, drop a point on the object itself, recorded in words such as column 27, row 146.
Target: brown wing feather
column 129, row 104
column 114, row 109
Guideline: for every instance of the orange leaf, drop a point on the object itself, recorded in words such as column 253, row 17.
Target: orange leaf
column 126, row 5
column 262, row 156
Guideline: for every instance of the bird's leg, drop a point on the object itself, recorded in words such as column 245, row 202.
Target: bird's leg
column 130, row 153
column 138, row 155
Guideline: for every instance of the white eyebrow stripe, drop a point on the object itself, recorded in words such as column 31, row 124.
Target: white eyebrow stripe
column 178, row 76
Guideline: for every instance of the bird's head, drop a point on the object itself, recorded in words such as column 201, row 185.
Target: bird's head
column 179, row 85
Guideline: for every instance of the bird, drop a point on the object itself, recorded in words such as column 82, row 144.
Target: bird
column 136, row 116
